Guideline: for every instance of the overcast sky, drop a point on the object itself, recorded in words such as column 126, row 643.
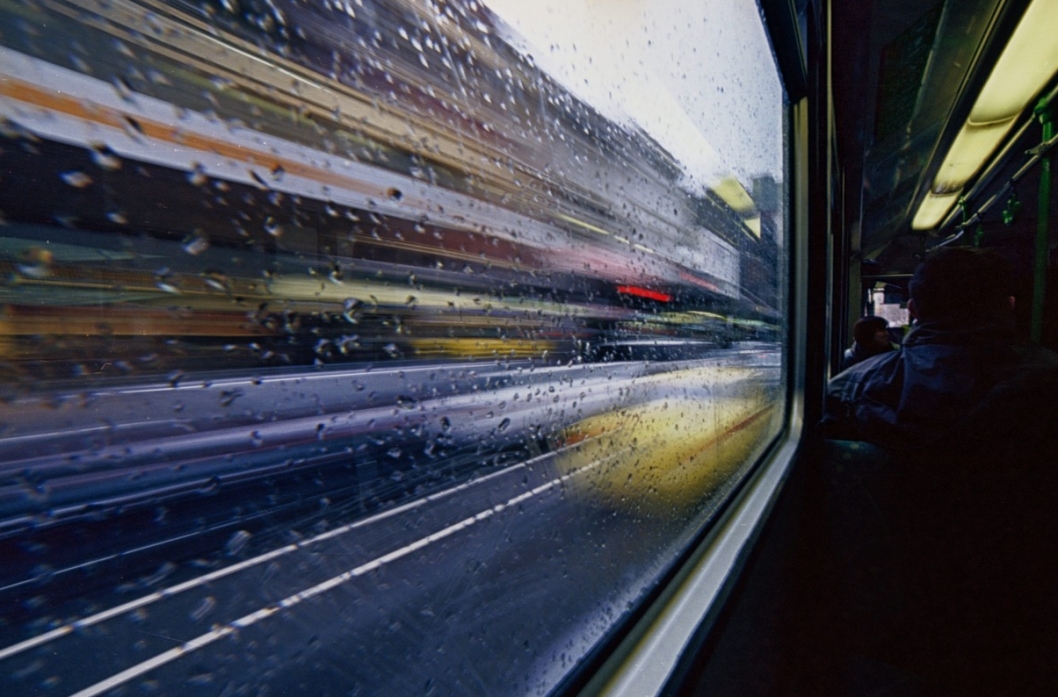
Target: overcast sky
column 697, row 75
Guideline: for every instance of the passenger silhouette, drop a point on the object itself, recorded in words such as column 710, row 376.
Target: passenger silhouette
column 962, row 511
column 960, row 379
column 870, row 337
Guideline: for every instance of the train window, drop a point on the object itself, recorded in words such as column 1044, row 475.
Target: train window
column 889, row 302
column 372, row 347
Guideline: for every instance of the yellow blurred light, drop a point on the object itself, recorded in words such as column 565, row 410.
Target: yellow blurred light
column 933, row 209
column 664, row 457
column 581, row 223
column 754, row 225
column 1027, row 64
column 971, row 149
column 710, row 315
column 478, row 347
column 735, row 195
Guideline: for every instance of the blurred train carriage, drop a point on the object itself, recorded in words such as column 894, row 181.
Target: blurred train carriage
column 403, row 347
column 290, row 225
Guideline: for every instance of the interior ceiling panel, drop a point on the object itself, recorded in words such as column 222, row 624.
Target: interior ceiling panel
column 899, row 67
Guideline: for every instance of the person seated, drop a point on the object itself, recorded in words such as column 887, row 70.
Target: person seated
column 960, row 377
column 870, row 337
column 967, row 416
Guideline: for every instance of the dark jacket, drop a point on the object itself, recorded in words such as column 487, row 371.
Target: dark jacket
column 964, row 501
column 955, row 387
column 858, row 353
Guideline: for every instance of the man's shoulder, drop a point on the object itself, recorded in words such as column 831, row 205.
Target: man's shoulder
column 878, row 368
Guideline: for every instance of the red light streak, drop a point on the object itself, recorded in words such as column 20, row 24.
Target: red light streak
column 644, row 293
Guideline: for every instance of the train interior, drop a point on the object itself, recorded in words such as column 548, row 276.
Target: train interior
column 479, row 347
column 814, row 612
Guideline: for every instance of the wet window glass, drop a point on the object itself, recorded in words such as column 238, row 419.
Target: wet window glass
column 366, row 347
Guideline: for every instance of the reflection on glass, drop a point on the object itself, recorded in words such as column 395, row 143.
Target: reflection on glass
column 362, row 348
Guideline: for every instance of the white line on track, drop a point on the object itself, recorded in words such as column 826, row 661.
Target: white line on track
column 320, row 588
column 71, row 627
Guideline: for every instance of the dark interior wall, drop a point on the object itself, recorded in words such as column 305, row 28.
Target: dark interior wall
column 811, row 613
column 749, row 652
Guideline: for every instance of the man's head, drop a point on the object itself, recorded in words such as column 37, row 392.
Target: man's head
column 961, row 283
column 871, row 331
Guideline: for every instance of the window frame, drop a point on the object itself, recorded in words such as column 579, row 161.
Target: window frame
column 648, row 659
